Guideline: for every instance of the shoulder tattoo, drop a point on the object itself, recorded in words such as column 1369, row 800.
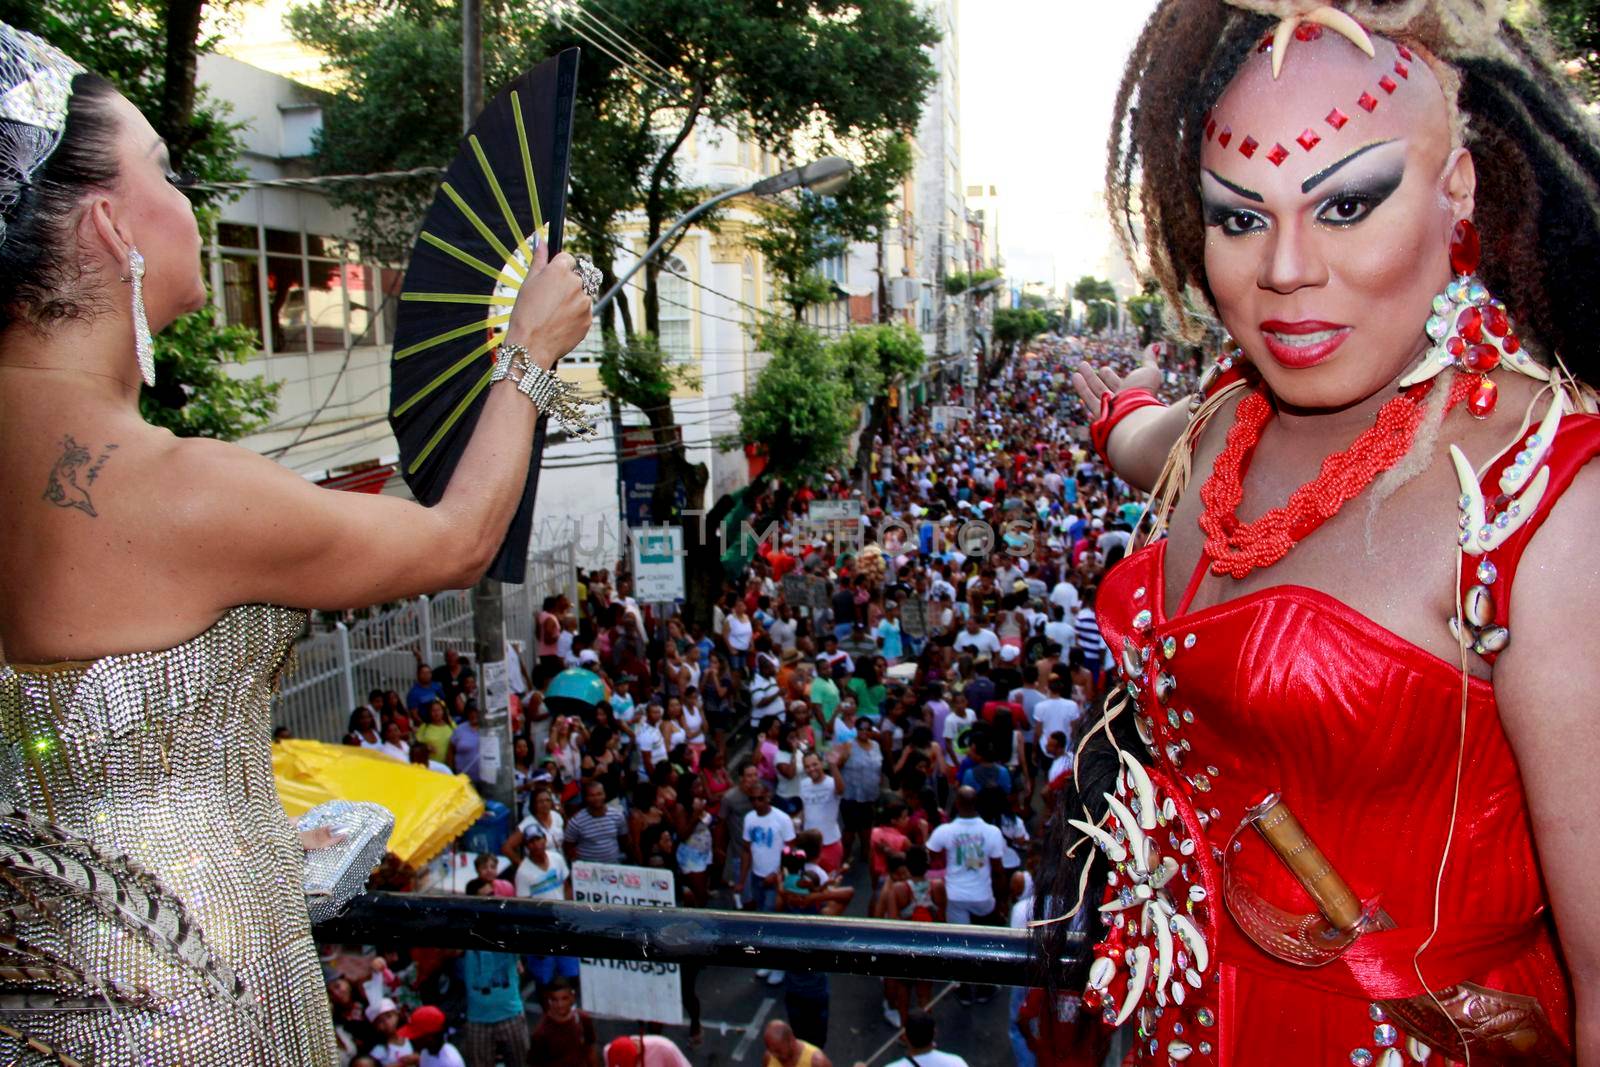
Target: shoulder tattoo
column 73, row 474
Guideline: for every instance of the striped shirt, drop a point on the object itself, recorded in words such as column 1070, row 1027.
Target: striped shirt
column 1087, row 631
column 594, row 837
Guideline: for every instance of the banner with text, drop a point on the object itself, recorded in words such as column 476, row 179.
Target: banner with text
column 637, row 990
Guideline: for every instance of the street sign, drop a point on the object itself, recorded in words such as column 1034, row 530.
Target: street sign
column 945, row 417
column 657, row 556
column 640, row 991
column 834, row 511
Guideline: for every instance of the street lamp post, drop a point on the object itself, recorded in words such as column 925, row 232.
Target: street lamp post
column 824, row 176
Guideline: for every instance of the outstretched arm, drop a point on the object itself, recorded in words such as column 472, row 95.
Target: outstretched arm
column 1139, row 446
column 254, row 531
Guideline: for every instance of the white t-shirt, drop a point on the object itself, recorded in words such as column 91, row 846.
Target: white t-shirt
column 447, row 1056
column 1062, row 764
column 1053, row 714
column 387, row 1053
column 782, row 634
column 788, row 788
column 545, row 883
column 821, row 800
column 984, row 642
column 969, row 845
column 1063, row 633
column 1066, row 595
column 932, row 1058
column 649, row 739
column 766, row 835
column 739, row 631
column 555, row 833
column 955, row 723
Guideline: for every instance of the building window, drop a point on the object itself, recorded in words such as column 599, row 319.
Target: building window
column 677, row 309
column 308, row 292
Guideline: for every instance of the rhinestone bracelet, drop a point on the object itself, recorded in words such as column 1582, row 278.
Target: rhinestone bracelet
column 549, row 393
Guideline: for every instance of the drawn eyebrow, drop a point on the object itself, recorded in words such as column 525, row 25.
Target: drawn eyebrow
column 1248, row 194
column 1323, row 175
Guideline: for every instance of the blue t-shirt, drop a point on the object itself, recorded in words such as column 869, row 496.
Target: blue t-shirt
column 494, row 993
column 890, row 633
column 468, row 744
column 421, row 696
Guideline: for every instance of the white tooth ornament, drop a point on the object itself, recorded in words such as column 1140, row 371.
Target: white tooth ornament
column 1180, row 993
column 1143, row 790
column 1139, row 967
column 1163, row 943
column 1101, row 971
column 1120, row 905
column 1178, row 1050
column 1113, row 848
column 1189, row 934
column 1192, row 976
column 1480, row 535
column 1390, row 1057
column 1130, row 826
column 1418, row 1051
column 1344, row 26
column 1545, row 435
column 1164, row 873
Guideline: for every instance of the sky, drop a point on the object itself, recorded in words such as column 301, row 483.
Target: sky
column 1038, row 79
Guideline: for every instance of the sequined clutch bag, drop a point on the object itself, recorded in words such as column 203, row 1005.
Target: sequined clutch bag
column 335, row 875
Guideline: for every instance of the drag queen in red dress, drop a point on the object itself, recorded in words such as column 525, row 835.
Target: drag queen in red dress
column 1342, row 798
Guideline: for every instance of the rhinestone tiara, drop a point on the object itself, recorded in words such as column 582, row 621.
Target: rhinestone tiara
column 35, row 88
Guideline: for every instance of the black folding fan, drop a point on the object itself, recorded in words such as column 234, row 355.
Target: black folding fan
column 505, row 191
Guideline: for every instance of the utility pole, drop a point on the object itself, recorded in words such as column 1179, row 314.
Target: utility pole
column 488, row 607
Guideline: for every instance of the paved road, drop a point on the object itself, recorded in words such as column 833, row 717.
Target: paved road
column 735, row 1005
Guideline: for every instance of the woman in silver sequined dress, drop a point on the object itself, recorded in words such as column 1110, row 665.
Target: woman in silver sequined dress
column 151, row 908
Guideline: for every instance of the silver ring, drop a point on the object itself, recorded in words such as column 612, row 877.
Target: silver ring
column 590, row 276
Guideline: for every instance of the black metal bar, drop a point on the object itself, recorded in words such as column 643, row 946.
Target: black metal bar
column 930, row 951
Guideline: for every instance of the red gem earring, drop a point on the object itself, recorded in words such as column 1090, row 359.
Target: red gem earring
column 1471, row 330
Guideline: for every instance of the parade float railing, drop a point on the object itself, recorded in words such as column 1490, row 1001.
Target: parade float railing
column 694, row 936
column 333, row 669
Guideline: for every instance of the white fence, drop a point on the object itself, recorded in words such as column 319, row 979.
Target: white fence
column 334, row 670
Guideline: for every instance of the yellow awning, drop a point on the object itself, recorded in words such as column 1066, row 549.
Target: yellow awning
column 430, row 809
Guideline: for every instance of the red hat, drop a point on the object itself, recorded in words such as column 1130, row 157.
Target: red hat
column 623, row 1052
column 425, row 1022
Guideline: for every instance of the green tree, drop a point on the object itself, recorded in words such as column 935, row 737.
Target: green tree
column 802, row 408
column 148, row 49
column 871, row 359
column 1575, row 25
column 1146, row 311
column 1015, row 327
column 799, row 232
column 1099, row 300
column 836, row 72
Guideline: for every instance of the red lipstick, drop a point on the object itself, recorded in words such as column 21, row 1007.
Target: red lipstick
column 1298, row 345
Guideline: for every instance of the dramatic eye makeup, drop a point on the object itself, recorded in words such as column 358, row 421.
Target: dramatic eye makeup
column 1359, row 198
column 1349, row 202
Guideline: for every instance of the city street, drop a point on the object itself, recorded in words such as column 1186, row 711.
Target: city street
column 735, row 1005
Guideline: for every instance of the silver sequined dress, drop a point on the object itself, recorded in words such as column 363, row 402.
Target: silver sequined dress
column 161, row 762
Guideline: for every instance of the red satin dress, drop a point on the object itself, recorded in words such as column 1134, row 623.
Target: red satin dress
column 1289, row 690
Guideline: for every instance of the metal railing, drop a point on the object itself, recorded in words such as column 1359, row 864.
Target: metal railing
column 775, row 940
column 334, row 670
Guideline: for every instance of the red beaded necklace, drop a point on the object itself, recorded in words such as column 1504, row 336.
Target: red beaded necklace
column 1235, row 548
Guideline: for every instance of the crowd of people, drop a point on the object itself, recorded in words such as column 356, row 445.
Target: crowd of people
column 893, row 753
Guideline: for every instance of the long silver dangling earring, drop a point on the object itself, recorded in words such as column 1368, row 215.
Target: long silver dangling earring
column 142, row 342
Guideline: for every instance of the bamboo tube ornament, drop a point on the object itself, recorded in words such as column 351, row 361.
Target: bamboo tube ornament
column 1285, row 836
